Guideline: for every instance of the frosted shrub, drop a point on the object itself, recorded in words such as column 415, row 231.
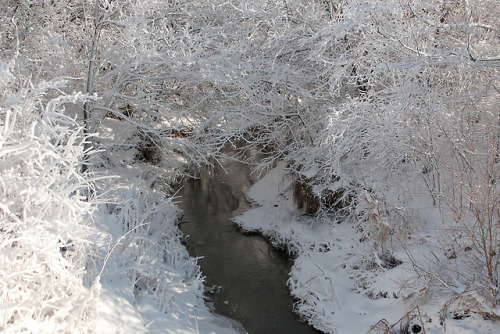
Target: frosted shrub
column 45, row 242
column 471, row 197
column 153, row 257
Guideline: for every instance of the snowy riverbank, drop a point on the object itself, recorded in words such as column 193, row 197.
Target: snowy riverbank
column 150, row 284
column 341, row 285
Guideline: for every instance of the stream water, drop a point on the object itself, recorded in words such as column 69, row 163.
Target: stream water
column 251, row 274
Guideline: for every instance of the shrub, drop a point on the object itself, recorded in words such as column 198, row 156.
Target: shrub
column 45, row 241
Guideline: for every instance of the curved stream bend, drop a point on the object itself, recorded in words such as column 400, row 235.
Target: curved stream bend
column 251, row 273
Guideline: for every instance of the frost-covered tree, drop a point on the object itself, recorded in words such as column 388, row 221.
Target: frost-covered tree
column 121, row 51
column 370, row 102
column 46, row 281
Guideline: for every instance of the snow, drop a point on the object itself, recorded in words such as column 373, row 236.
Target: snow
column 150, row 285
column 337, row 290
column 5, row 74
column 73, row 262
column 121, row 311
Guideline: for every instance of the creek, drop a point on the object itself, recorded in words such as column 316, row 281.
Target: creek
column 250, row 272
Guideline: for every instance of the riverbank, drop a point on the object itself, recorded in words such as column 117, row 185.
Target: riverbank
column 149, row 282
column 338, row 290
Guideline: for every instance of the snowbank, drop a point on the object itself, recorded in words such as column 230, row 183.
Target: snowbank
column 340, row 283
column 150, row 284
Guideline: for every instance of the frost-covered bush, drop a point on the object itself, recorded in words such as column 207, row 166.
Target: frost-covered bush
column 151, row 252
column 45, row 235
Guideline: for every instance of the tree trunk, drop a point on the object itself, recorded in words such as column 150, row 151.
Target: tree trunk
column 87, row 107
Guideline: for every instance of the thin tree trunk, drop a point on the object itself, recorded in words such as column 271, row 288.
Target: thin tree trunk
column 87, row 107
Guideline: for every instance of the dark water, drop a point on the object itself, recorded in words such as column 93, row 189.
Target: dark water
column 250, row 271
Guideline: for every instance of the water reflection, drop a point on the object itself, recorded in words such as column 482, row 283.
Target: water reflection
column 252, row 273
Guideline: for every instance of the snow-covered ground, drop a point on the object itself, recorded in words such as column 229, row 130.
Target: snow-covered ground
column 150, row 284
column 337, row 288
